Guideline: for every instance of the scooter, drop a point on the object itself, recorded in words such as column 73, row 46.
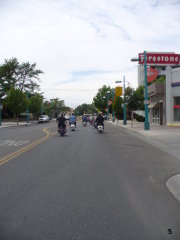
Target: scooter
column 95, row 124
column 84, row 124
column 62, row 131
column 72, row 126
column 100, row 128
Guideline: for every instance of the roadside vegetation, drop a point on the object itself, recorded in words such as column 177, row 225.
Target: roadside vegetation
column 19, row 89
column 134, row 100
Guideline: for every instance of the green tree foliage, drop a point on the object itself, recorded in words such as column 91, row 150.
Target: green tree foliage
column 100, row 100
column 35, row 104
column 46, row 107
column 57, row 106
column 117, row 106
column 28, row 76
column 160, row 79
column 16, row 101
column 23, row 76
column 8, row 74
column 134, row 99
column 84, row 108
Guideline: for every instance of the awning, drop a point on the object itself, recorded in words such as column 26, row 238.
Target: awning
column 140, row 113
column 176, row 106
column 152, row 105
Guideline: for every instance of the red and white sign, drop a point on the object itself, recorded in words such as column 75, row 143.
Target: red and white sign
column 152, row 74
column 177, row 107
column 160, row 58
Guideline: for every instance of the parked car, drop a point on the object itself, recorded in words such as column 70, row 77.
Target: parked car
column 67, row 117
column 43, row 118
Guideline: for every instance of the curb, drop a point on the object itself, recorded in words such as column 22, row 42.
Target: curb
column 173, row 185
column 151, row 141
column 15, row 125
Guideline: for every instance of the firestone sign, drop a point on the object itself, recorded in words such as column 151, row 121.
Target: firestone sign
column 160, row 58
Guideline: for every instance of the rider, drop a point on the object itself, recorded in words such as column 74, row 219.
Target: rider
column 94, row 117
column 72, row 119
column 84, row 118
column 61, row 121
column 91, row 119
column 100, row 120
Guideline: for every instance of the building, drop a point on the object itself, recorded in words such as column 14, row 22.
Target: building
column 164, row 97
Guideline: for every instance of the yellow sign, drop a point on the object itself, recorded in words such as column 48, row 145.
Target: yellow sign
column 118, row 91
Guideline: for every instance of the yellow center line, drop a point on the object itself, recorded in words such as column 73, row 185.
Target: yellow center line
column 28, row 147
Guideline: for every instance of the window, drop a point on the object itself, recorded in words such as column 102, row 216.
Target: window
column 155, row 118
column 177, row 109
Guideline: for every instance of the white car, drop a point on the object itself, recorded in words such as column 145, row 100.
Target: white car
column 43, row 118
column 67, row 117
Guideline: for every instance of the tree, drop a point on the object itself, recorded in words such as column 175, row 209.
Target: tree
column 85, row 108
column 8, row 74
column 28, row 76
column 57, row 106
column 100, row 100
column 23, row 76
column 117, row 106
column 47, row 108
column 134, row 99
column 35, row 104
column 16, row 101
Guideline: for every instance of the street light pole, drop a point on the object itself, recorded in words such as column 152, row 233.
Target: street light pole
column 108, row 92
column 113, row 119
column 108, row 107
column 5, row 82
column 146, row 124
column 27, row 106
column 0, row 111
column 124, row 105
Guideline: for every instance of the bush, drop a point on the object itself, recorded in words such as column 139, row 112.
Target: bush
column 139, row 118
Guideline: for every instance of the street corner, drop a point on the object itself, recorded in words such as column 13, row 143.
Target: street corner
column 173, row 184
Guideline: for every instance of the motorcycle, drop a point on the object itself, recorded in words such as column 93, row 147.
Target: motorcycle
column 62, row 131
column 72, row 126
column 84, row 124
column 95, row 124
column 91, row 122
column 100, row 128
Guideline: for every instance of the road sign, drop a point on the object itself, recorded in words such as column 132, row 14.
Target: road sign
column 152, row 74
column 118, row 91
column 160, row 58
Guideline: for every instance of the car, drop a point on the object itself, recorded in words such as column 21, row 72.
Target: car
column 67, row 117
column 43, row 118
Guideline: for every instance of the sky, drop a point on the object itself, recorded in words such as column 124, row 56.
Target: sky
column 81, row 45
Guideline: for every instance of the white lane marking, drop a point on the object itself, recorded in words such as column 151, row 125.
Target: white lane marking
column 13, row 143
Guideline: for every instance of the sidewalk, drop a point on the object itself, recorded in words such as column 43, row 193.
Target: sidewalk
column 14, row 124
column 163, row 137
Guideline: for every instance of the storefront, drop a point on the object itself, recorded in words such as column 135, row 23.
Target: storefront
column 164, row 97
column 156, row 93
column 177, row 109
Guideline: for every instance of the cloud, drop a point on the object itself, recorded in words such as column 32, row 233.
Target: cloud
column 82, row 44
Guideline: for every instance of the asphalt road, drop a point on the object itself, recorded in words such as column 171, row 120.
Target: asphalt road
column 87, row 186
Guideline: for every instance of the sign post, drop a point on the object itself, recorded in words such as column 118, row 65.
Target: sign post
column 146, row 124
